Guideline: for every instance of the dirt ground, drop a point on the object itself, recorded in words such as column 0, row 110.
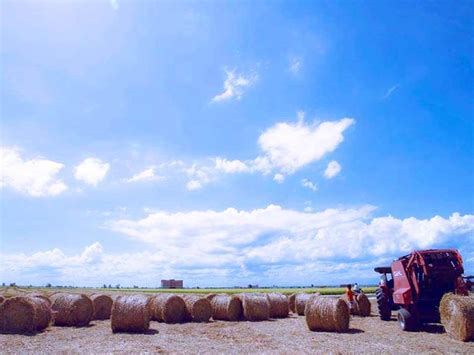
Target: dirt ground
column 275, row 336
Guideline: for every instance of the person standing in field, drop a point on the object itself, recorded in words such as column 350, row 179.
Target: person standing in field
column 350, row 296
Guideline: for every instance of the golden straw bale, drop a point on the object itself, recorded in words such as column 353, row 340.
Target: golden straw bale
column 71, row 309
column 226, row 307
column 43, row 296
column 167, row 308
column 102, row 306
column 130, row 314
column 327, row 314
column 363, row 304
column 20, row 315
column 256, row 306
column 457, row 316
column 198, row 309
column 210, row 296
column 279, row 307
column 300, row 301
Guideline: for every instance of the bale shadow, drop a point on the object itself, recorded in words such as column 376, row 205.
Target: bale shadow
column 151, row 332
column 355, row 331
column 432, row 328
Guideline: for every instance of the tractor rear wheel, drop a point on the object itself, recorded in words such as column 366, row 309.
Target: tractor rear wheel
column 406, row 320
column 383, row 304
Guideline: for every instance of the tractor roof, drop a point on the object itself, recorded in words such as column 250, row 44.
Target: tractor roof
column 383, row 269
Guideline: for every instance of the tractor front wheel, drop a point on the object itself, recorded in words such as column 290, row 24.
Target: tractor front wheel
column 407, row 320
column 383, row 304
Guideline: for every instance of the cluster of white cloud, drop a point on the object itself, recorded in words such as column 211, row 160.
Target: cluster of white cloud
column 235, row 85
column 309, row 184
column 332, row 170
column 36, row 177
column 149, row 174
column 221, row 243
column 286, row 148
column 295, row 65
column 91, row 171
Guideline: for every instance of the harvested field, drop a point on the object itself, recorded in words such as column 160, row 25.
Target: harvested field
column 367, row 334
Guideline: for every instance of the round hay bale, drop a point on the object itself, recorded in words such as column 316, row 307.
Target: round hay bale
column 40, row 295
column 291, row 302
column 457, row 316
column 2, row 299
column 327, row 314
column 19, row 315
column 130, row 314
column 167, row 308
column 198, row 309
column 256, row 306
column 226, row 307
column 279, row 307
column 210, row 296
column 102, row 306
column 71, row 309
column 300, row 302
column 363, row 304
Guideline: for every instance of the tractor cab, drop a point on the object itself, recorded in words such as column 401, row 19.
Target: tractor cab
column 386, row 277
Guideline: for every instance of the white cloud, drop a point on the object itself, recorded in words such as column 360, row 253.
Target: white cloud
column 295, row 65
column 216, row 246
column 279, row 178
column 145, row 175
column 309, row 184
column 230, row 166
column 192, row 185
column 290, row 146
column 333, row 169
column 235, row 85
column 91, row 171
column 114, row 4
column 390, row 91
column 35, row 177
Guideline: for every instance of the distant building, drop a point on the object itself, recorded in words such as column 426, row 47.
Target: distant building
column 172, row 283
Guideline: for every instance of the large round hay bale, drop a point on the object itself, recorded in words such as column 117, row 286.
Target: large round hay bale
column 20, row 315
column 130, row 314
column 279, row 307
column 291, row 302
column 167, row 308
column 71, row 309
column 363, row 304
column 327, row 314
column 102, row 306
column 256, row 306
column 40, row 295
column 300, row 302
column 226, row 307
column 210, row 296
column 457, row 316
column 198, row 309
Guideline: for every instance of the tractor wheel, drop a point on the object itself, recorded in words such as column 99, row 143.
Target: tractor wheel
column 406, row 320
column 383, row 305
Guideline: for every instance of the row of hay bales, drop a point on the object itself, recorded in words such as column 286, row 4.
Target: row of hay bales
column 133, row 313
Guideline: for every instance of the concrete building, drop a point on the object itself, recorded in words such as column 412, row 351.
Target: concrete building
column 172, row 283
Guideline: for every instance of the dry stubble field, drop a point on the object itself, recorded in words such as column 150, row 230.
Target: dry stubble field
column 275, row 336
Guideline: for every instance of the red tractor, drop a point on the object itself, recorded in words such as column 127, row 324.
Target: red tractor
column 415, row 284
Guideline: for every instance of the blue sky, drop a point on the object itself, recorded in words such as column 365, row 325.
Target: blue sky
column 230, row 143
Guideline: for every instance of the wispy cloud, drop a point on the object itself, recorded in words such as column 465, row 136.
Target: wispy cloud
column 309, row 184
column 235, row 85
column 114, row 4
column 332, row 170
column 145, row 175
column 295, row 65
column 390, row 91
